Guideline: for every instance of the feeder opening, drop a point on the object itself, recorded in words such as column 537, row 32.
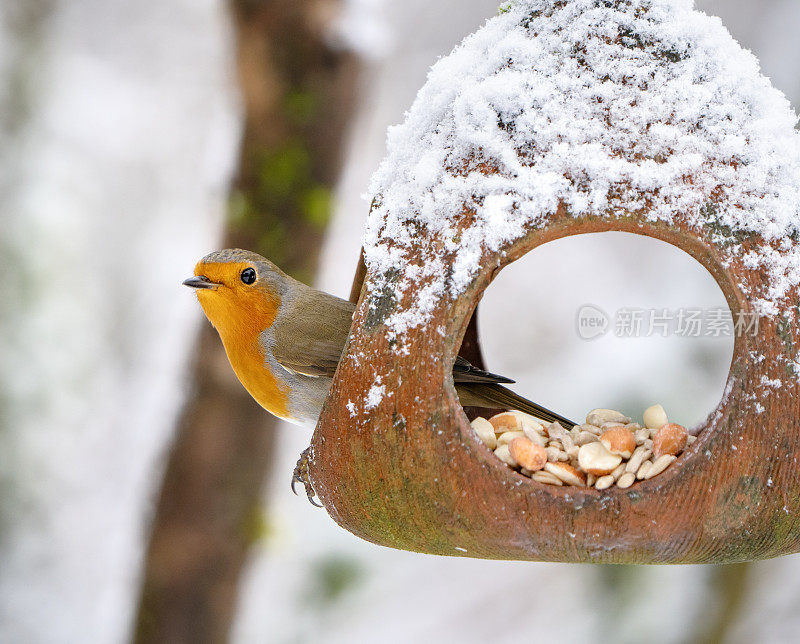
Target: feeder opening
column 620, row 321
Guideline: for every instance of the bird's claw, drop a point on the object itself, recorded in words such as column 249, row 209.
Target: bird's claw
column 301, row 475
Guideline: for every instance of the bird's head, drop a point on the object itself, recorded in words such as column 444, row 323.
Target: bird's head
column 240, row 291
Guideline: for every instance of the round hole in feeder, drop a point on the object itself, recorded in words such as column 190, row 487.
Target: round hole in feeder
column 614, row 320
column 717, row 281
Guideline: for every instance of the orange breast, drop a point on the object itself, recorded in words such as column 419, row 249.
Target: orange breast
column 249, row 365
column 240, row 314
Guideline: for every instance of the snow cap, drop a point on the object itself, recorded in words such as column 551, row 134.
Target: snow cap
column 607, row 108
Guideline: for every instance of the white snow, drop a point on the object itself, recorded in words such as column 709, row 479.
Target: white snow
column 605, row 109
column 374, row 395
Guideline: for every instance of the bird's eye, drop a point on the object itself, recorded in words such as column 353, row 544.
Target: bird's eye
column 248, row 276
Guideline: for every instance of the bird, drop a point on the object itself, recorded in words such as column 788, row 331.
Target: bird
column 284, row 340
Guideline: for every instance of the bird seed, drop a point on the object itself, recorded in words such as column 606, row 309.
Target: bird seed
column 608, row 450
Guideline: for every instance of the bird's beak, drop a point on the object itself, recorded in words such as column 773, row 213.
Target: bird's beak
column 200, row 281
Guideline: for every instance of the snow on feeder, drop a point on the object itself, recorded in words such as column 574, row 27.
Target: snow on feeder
column 559, row 118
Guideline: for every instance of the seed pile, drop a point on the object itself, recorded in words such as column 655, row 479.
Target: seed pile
column 608, row 449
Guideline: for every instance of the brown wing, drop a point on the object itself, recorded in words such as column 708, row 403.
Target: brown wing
column 463, row 371
column 311, row 333
column 497, row 397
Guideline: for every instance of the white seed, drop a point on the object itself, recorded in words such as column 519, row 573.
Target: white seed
column 567, row 474
column 573, row 454
column 531, row 421
column 535, row 437
column 660, row 464
column 599, row 416
column 504, row 454
column 533, row 429
column 534, row 433
column 637, row 458
column 556, row 432
column 655, row 417
column 485, row 431
column 593, row 458
column 604, row 482
column 584, row 437
column 546, row 478
column 626, row 480
column 506, row 437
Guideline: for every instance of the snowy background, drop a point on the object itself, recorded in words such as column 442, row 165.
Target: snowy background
column 119, row 129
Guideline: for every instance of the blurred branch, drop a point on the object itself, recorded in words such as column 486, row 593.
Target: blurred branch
column 298, row 96
column 729, row 587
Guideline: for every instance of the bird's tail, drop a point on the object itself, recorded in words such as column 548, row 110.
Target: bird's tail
column 496, row 396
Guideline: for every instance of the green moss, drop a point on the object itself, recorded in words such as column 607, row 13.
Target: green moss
column 279, row 202
column 257, row 527
column 721, row 233
column 284, row 170
column 382, row 303
column 783, row 527
column 238, row 208
column 316, row 205
column 332, row 576
column 301, row 106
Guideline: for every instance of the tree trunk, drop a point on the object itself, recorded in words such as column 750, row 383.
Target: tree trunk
column 297, row 94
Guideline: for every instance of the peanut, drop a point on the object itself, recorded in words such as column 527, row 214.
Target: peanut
column 670, row 439
column 619, row 440
column 528, row 454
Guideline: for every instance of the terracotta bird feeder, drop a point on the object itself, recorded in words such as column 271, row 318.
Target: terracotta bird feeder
column 561, row 118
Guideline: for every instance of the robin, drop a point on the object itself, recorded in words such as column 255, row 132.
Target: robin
column 284, row 341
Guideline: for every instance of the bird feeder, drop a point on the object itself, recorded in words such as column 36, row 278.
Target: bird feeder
column 561, row 118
